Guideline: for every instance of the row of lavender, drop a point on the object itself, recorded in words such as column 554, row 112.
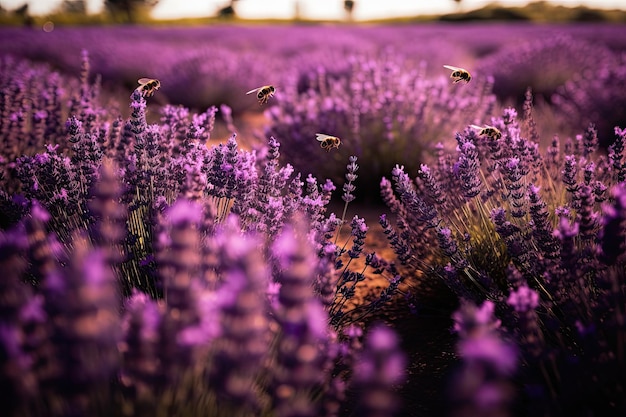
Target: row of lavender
column 214, row 65
column 534, row 245
column 531, row 228
column 364, row 84
column 234, row 291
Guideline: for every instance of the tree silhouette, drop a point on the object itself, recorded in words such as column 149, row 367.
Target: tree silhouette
column 127, row 9
column 297, row 10
column 348, row 6
column 73, row 7
column 228, row 12
column 23, row 14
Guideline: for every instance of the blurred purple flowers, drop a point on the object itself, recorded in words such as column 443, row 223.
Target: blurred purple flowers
column 145, row 264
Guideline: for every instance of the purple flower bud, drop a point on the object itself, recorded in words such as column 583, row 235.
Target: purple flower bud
column 523, row 299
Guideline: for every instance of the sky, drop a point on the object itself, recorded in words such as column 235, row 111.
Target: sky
column 313, row 9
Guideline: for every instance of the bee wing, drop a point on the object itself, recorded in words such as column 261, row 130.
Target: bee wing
column 254, row 90
column 321, row 137
column 450, row 67
column 144, row 81
column 476, row 127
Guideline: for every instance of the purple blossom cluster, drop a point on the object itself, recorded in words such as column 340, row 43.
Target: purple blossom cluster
column 595, row 97
column 222, row 64
column 483, row 383
column 545, row 64
column 152, row 271
column 383, row 108
column 540, row 237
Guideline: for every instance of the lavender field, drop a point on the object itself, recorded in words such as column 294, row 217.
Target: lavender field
column 194, row 253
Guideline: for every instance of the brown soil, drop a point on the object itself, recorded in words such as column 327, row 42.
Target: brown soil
column 425, row 336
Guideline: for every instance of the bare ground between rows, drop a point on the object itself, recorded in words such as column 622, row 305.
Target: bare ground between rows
column 425, row 336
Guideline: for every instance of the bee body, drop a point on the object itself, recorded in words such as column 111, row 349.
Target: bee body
column 148, row 86
column 328, row 142
column 263, row 93
column 459, row 74
column 488, row 131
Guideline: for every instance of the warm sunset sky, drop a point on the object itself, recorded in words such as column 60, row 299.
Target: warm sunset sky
column 316, row 9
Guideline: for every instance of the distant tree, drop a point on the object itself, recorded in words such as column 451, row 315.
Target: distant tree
column 348, row 6
column 23, row 14
column 583, row 14
column 127, row 8
column 227, row 12
column 73, row 7
column 297, row 10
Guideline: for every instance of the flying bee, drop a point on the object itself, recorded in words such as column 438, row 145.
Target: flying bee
column 459, row 74
column 328, row 142
column 488, row 131
column 148, row 86
column 263, row 93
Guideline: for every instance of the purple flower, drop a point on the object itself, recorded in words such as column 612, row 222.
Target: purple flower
column 351, row 176
column 569, row 173
column 523, row 299
column 468, row 167
column 433, row 187
column 400, row 246
column 471, row 320
column 514, row 173
column 379, row 368
column 446, row 242
column 242, row 345
column 359, row 231
column 482, row 382
column 491, row 350
column 613, row 233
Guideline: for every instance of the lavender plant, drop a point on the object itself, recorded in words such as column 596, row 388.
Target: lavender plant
column 560, row 58
column 383, row 109
column 595, row 97
column 501, row 222
column 483, row 382
column 191, row 242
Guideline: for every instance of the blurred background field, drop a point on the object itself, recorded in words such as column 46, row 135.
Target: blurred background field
column 314, row 65
column 17, row 12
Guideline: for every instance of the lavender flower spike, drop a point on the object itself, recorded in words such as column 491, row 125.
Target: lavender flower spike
column 379, row 368
column 481, row 386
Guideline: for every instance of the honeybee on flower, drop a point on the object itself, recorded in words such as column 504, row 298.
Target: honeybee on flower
column 459, row 74
column 148, row 86
column 263, row 93
column 328, row 142
column 488, row 131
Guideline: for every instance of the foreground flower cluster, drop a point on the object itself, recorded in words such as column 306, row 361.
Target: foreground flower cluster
column 536, row 239
column 151, row 274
